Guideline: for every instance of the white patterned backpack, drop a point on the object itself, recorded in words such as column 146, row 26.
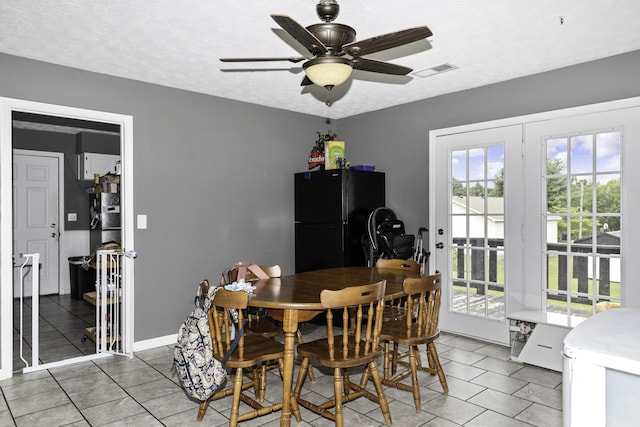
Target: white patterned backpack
column 201, row 375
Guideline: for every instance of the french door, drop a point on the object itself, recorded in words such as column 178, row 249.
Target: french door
column 536, row 213
column 478, row 174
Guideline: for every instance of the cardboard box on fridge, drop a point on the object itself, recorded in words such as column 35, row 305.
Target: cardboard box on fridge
column 333, row 153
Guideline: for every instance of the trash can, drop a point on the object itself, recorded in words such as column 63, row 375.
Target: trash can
column 82, row 277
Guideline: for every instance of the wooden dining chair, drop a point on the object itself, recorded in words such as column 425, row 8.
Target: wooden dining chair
column 262, row 322
column 396, row 308
column 400, row 264
column 352, row 342
column 259, row 323
column 423, row 301
column 251, row 353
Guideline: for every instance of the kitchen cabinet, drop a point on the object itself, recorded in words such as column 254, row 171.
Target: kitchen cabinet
column 90, row 164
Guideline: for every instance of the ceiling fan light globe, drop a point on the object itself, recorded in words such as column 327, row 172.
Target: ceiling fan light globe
column 328, row 74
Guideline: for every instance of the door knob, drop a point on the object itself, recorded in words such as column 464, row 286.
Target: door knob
column 440, row 231
column 439, row 245
column 53, row 234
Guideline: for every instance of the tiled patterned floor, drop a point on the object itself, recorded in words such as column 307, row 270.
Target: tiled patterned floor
column 62, row 323
column 485, row 389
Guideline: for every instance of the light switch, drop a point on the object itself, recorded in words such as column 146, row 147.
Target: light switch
column 72, row 216
column 142, row 222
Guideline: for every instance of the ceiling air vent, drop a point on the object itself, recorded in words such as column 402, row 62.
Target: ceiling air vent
column 436, row 69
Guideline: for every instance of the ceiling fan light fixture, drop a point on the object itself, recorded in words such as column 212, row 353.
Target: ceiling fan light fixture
column 328, row 71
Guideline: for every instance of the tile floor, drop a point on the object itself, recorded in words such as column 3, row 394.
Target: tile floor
column 485, row 389
column 62, row 323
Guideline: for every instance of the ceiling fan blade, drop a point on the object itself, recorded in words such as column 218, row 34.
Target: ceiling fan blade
column 293, row 59
column 367, row 64
column 293, row 70
column 386, row 41
column 301, row 34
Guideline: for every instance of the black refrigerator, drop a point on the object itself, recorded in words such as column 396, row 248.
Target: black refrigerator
column 331, row 212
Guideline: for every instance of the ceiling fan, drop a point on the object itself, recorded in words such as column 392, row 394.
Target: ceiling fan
column 336, row 53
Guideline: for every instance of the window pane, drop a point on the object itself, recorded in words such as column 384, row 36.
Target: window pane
column 477, row 299
column 608, row 151
column 495, row 229
column 460, row 297
column 557, row 156
column 581, row 308
column 581, row 157
column 582, row 231
column 557, row 269
column 459, row 223
column 459, row 189
column 495, row 302
column 496, row 267
column 611, row 226
column 457, row 270
column 608, row 274
column 477, row 195
column 495, row 163
column 557, row 195
column 459, row 165
column 477, row 164
column 582, row 194
column 608, row 193
column 556, row 302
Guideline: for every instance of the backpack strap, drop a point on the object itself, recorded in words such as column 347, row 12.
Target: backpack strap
column 234, row 344
column 255, row 269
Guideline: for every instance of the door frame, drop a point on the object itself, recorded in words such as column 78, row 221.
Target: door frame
column 61, row 230
column 7, row 107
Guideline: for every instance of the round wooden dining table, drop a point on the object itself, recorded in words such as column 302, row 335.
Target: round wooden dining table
column 301, row 291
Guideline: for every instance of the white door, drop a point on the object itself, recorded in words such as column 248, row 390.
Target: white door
column 35, row 218
column 473, row 234
column 589, row 208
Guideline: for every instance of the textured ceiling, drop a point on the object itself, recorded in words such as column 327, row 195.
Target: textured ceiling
column 178, row 43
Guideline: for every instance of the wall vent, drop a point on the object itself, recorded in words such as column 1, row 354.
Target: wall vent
column 436, row 69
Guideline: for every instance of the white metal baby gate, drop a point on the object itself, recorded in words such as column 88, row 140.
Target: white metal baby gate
column 111, row 329
column 31, row 261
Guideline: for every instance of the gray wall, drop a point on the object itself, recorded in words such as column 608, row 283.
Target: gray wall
column 396, row 139
column 215, row 176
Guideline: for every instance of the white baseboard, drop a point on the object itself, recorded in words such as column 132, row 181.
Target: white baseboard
column 155, row 342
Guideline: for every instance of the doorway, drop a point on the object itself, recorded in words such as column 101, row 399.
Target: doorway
column 8, row 108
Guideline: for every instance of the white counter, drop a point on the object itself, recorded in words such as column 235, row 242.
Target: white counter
column 601, row 374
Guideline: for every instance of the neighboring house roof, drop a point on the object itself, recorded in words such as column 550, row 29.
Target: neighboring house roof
column 495, row 205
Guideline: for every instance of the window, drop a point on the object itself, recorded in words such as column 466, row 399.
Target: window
column 583, row 221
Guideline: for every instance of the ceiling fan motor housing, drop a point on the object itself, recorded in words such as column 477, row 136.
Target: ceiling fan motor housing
column 333, row 35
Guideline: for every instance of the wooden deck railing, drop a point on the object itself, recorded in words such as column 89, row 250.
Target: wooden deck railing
column 580, row 266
